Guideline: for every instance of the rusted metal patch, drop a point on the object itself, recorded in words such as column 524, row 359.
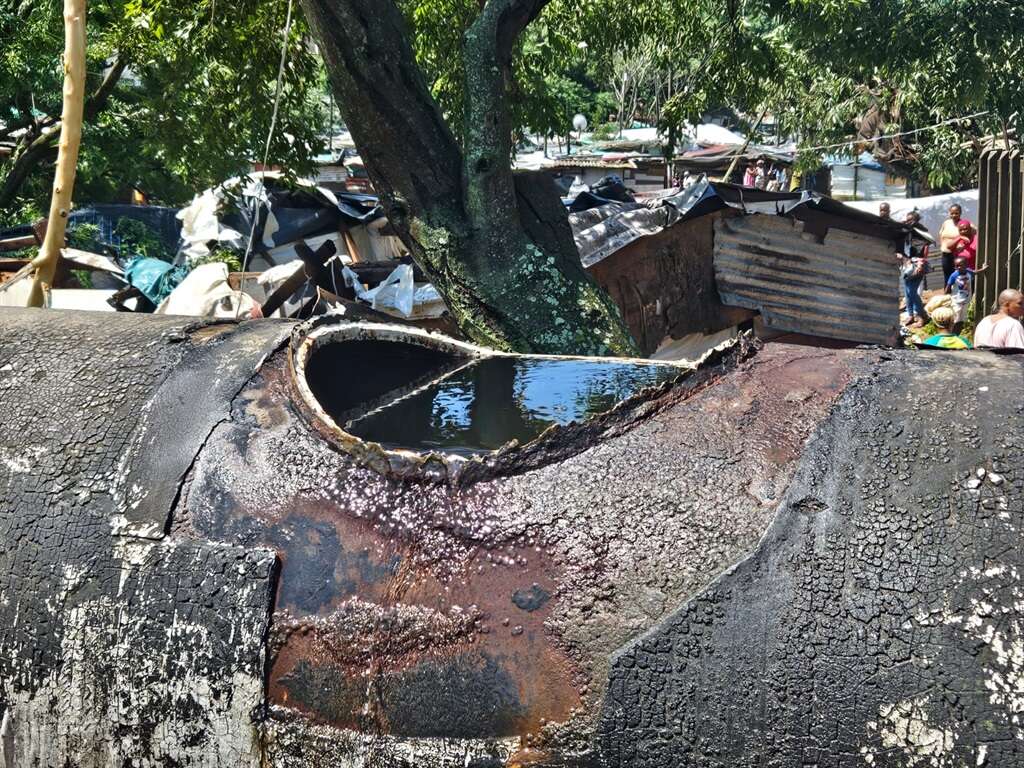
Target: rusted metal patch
column 488, row 608
column 393, row 648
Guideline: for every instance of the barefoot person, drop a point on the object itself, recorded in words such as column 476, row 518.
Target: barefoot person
column 960, row 288
column 1003, row 330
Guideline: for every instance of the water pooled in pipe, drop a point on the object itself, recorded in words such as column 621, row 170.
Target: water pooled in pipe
column 428, row 400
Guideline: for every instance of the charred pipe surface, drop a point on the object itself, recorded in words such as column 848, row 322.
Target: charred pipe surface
column 783, row 557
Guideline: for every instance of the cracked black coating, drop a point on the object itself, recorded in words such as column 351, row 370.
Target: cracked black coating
column 880, row 621
column 119, row 646
column 697, row 586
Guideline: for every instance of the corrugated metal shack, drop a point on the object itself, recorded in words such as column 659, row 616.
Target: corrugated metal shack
column 1000, row 230
column 713, row 255
column 842, row 286
column 655, row 261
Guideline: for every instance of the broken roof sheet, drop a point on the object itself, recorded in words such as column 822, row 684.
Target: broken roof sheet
column 721, row 156
column 286, row 211
column 600, row 235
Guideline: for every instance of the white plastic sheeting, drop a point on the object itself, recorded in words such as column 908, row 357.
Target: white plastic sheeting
column 934, row 210
column 205, row 292
column 398, row 295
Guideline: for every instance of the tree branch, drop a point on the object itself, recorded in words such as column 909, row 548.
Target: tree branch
column 42, row 146
column 98, row 100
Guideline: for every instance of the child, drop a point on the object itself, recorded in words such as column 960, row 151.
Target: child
column 913, row 268
column 960, row 288
column 967, row 244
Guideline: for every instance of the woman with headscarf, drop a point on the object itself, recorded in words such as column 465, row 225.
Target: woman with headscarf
column 944, row 319
column 949, row 234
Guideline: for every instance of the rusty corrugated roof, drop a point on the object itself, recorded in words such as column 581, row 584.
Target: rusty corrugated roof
column 844, row 288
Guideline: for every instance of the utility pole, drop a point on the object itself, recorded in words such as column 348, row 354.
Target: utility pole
column 45, row 263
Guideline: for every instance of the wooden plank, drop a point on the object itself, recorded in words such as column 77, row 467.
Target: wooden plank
column 17, row 243
column 1003, row 221
column 987, row 281
column 1014, row 202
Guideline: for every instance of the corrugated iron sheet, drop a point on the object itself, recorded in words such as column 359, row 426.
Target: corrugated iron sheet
column 598, row 237
column 846, row 287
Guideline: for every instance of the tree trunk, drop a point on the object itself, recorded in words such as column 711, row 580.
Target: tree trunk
column 458, row 212
column 67, row 154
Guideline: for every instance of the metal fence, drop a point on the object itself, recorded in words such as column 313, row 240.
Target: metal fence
column 1000, row 214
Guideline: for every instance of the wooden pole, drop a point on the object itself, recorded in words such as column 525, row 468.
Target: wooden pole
column 67, row 153
column 743, row 149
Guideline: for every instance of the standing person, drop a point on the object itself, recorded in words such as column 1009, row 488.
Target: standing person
column 949, row 233
column 913, row 220
column 1003, row 330
column 750, row 175
column 761, row 182
column 960, row 288
column 947, row 337
column 966, row 245
column 919, row 247
column 884, row 211
column 913, row 268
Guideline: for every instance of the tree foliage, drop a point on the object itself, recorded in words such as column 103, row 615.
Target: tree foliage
column 190, row 83
column 179, row 96
column 829, row 71
column 890, row 66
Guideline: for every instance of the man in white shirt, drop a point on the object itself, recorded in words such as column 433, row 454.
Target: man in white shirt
column 1003, row 329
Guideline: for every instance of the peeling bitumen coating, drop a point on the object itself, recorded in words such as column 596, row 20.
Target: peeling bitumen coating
column 881, row 620
column 199, row 576
column 119, row 646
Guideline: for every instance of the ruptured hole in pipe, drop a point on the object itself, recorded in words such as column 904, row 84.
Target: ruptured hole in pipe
column 405, row 396
column 351, row 378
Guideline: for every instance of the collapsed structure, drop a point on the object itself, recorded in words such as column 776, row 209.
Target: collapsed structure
column 782, row 555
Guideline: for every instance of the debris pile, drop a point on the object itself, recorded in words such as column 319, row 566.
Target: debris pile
column 261, row 245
